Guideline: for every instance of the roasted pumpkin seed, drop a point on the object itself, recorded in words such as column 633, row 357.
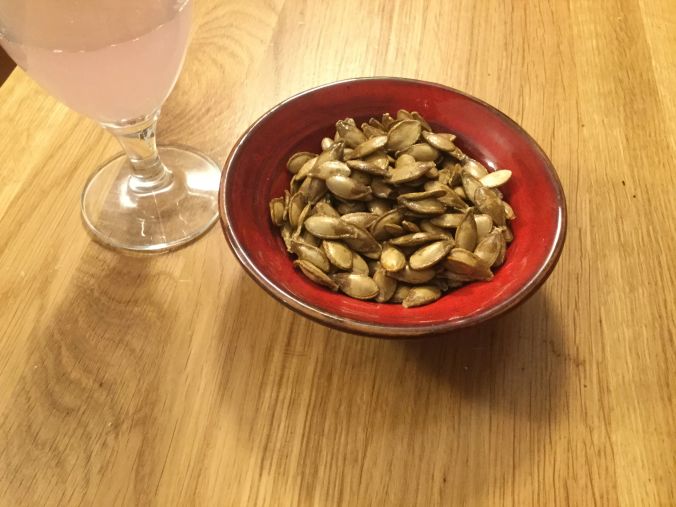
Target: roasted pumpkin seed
column 466, row 233
column 421, row 295
column 357, row 286
column 403, row 135
column 277, row 211
column 330, row 168
column 348, row 188
column 431, row 254
column 438, row 141
column 496, row 178
column 311, row 254
column 386, row 285
column 489, row 248
column 392, row 259
column 474, row 168
column 359, row 265
column 368, row 147
column 329, row 227
column 393, row 211
column 315, row 274
column 338, row 254
column 414, row 276
column 298, row 160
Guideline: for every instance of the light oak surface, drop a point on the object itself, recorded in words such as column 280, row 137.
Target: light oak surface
column 175, row 380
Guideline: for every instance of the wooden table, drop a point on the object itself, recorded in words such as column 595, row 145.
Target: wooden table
column 175, row 380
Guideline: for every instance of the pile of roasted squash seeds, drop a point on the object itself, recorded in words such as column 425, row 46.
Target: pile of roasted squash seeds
column 393, row 212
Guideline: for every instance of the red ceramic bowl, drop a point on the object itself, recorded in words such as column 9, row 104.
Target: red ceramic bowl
column 256, row 172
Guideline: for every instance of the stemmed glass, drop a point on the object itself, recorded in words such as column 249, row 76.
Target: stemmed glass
column 116, row 61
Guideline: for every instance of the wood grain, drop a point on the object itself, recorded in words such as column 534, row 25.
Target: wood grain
column 175, row 380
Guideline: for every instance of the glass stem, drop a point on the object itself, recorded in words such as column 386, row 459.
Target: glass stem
column 137, row 138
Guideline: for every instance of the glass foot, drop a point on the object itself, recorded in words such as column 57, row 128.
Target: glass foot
column 183, row 206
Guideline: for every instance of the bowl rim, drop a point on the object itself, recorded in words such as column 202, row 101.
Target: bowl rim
column 381, row 330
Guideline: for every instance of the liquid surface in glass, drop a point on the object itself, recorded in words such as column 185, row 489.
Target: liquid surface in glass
column 111, row 60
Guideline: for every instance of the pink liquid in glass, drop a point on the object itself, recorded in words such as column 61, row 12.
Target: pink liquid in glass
column 111, row 60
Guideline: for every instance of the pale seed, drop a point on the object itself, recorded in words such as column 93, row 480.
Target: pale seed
column 296, row 204
column 338, row 254
column 329, row 227
column 484, row 225
column 356, row 286
column 496, row 178
column 489, row 248
column 359, row 265
column 277, row 211
column 324, row 208
column 311, row 254
column 298, row 160
column 349, row 132
column 386, row 285
column 315, row 274
column 368, row 147
column 425, row 206
column 421, row 295
column 417, row 196
column 403, row 114
column 362, row 240
column 474, row 168
column 464, row 262
column 429, row 255
column 367, row 167
column 466, row 233
column 287, row 232
column 371, row 131
column 330, row 168
column 335, row 152
column 489, row 204
column 438, row 141
column 470, row 184
column 327, row 142
column 404, row 173
column 448, row 220
column 509, row 211
column 392, row 259
column 313, row 189
column 361, row 218
column 305, row 169
column 301, row 219
column 416, row 239
column 387, row 121
column 391, row 217
column 422, row 152
column 400, row 294
column 416, row 116
column 348, row 188
column 413, row 276
column 379, row 159
column 403, row 135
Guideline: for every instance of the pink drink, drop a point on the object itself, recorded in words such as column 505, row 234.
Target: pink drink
column 111, row 60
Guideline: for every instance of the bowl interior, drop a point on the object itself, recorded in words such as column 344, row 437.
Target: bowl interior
column 256, row 172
